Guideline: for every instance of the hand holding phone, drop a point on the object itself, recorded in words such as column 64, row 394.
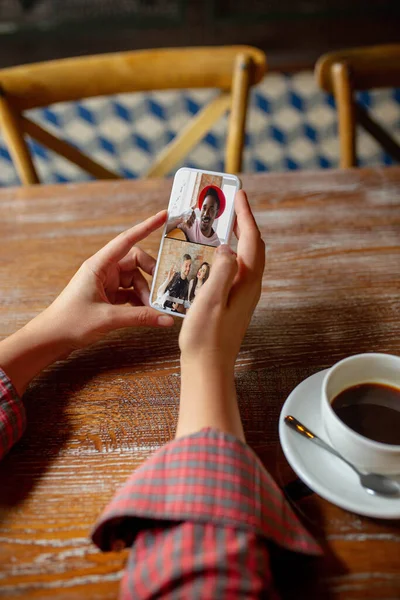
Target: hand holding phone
column 217, row 323
column 213, row 331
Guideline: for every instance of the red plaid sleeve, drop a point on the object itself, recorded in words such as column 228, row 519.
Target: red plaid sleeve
column 12, row 415
column 198, row 516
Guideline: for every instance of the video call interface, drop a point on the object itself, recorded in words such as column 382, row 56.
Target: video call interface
column 199, row 215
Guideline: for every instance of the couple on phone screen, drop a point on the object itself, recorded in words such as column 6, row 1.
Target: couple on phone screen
column 177, row 292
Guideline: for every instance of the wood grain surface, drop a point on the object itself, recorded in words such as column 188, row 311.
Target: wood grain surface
column 331, row 289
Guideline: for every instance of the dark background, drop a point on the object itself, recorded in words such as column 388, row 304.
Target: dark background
column 292, row 32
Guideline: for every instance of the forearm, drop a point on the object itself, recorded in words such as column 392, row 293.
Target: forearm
column 173, row 223
column 208, row 398
column 27, row 352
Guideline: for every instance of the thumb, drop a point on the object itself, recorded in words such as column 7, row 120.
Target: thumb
column 222, row 274
column 137, row 316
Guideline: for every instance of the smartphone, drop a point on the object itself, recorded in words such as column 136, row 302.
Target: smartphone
column 201, row 216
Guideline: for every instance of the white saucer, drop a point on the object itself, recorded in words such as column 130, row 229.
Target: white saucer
column 328, row 476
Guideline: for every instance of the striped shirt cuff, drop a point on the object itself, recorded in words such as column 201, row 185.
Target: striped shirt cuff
column 207, row 477
column 12, row 415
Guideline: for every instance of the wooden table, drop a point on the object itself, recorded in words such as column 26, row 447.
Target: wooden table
column 331, row 289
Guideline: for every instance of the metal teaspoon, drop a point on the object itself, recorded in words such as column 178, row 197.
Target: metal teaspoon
column 372, row 482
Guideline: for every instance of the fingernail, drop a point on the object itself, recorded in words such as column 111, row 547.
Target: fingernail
column 225, row 249
column 165, row 321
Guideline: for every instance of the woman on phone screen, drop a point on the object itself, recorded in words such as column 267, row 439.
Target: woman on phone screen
column 197, row 282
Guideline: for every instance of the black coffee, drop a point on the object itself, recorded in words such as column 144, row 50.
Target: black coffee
column 371, row 409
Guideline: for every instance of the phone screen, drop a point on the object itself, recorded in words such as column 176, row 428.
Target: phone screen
column 200, row 218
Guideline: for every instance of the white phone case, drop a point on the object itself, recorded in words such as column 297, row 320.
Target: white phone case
column 188, row 189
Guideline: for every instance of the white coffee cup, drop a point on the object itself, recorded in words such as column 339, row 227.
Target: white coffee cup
column 366, row 454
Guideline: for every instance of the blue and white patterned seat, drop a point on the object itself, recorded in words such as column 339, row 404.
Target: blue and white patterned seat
column 291, row 125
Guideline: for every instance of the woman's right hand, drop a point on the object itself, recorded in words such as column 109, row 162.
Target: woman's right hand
column 214, row 327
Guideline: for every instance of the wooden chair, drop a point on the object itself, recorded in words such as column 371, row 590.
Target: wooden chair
column 345, row 72
column 233, row 70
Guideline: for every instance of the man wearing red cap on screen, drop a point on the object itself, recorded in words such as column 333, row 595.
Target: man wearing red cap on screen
column 200, row 231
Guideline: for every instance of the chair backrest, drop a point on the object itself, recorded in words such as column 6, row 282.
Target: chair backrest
column 347, row 71
column 233, row 70
column 371, row 67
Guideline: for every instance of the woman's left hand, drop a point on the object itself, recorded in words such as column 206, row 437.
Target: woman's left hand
column 109, row 291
